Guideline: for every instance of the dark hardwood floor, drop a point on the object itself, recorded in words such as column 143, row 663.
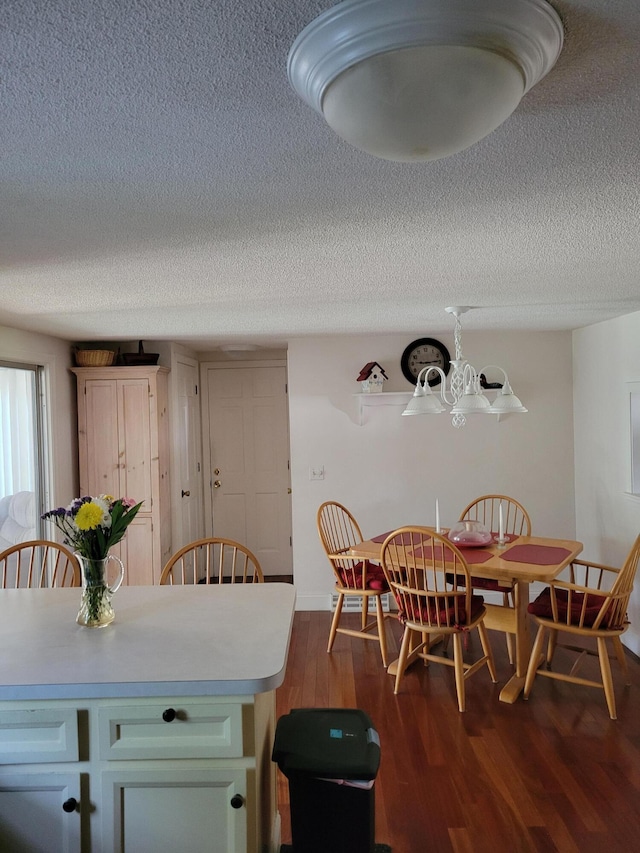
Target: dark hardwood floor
column 550, row 774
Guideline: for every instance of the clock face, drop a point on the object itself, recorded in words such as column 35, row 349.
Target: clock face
column 423, row 353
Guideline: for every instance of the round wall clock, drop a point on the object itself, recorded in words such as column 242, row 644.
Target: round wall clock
column 422, row 353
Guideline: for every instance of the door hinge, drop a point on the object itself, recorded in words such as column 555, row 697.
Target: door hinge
column 196, row 390
column 290, row 542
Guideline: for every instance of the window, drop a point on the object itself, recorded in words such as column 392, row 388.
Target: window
column 21, row 452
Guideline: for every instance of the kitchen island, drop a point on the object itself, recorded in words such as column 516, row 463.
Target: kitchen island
column 153, row 734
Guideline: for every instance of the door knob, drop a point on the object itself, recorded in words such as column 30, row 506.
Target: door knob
column 185, row 494
column 216, row 471
column 216, row 484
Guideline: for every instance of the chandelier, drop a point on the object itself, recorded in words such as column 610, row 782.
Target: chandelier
column 465, row 394
column 416, row 80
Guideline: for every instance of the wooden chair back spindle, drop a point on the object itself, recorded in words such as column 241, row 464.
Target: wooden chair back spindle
column 38, row 563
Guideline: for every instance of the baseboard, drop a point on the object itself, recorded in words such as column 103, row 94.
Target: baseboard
column 318, row 601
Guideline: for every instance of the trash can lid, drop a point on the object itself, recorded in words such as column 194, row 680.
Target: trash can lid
column 335, row 743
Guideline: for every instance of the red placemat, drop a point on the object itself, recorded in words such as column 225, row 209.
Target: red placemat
column 406, row 537
column 538, row 555
column 471, row 555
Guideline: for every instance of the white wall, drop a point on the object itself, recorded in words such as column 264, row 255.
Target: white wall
column 55, row 356
column 606, row 359
column 390, row 470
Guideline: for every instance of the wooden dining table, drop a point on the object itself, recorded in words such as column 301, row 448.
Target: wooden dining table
column 517, row 564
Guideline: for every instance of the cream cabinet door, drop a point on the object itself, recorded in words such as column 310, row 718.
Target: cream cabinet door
column 166, row 810
column 134, row 437
column 40, row 812
column 100, row 445
column 117, row 422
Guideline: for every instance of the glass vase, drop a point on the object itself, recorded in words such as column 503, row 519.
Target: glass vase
column 95, row 608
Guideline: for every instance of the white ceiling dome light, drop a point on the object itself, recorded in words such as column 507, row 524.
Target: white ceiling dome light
column 413, row 80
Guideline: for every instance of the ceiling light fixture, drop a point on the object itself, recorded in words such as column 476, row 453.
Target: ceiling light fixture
column 412, row 80
column 465, row 395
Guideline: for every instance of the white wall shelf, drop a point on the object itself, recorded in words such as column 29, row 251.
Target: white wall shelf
column 381, row 398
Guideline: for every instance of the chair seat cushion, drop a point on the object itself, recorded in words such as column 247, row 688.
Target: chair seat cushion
column 374, row 577
column 542, row 607
column 428, row 613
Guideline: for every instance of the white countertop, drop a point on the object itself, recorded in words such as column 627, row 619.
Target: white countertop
column 165, row 640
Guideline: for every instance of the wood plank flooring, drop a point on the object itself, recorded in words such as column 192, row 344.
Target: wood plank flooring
column 550, row 774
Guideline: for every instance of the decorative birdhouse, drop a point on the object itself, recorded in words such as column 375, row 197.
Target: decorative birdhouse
column 372, row 376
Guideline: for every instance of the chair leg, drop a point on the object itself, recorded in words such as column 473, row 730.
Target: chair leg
column 534, row 661
column 364, row 612
column 458, row 667
column 402, row 657
column 622, row 659
column 381, row 630
column 551, row 646
column 511, row 647
column 488, row 652
column 334, row 622
column 607, row 680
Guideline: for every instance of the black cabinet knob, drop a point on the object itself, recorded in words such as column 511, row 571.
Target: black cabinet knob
column 169, row 715
column 237, row 801
column 70, row 805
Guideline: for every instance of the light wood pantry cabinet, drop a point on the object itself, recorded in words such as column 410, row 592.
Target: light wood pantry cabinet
column 123, row 446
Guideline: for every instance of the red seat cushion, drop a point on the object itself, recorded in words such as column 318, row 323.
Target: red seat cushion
column 542, row 607
column 429, row 612
column 374, row 578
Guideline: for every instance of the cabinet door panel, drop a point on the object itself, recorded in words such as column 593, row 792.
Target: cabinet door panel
column 32, row 819
column 135, row 441
column 41, row 735
column 163, row 811
column 136, row 551
column 101, row 450
column 198, row 730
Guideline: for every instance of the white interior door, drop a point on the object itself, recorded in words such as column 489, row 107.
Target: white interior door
column 246, row 426
column 187, row 474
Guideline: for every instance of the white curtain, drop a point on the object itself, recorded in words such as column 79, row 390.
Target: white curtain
column 17, row 444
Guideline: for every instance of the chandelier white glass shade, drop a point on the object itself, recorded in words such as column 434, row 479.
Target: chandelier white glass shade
column 465, row 395
column 412, row 80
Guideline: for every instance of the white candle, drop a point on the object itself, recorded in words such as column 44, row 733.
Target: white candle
column 501, row 523
column 437, row 517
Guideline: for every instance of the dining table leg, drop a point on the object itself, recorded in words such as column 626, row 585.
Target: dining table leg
column 514, row 686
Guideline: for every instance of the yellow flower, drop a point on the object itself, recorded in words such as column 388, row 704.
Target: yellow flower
column 89, row 516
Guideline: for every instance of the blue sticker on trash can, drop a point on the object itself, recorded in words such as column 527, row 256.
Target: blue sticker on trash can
column 335, row 733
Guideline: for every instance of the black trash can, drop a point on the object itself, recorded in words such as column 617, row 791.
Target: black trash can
column 330, row 757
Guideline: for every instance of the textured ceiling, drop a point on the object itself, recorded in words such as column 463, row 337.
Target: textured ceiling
column 159, row 179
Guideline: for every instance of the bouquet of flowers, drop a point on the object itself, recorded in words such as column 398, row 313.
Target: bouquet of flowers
column 92, row 525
